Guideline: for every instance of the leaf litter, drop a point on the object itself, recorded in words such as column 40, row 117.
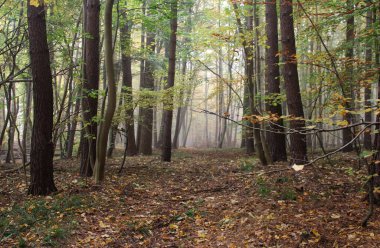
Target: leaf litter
column 208, row 198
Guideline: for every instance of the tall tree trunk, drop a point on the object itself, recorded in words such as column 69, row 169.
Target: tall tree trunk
column 368, row 88
column 350, row 36
column 7, row 117
column 180, row 110
column 101, row 146
column 247, row 135
column 276, row 141
column 146, row 111
column 126, row 61
column 168, row 110
column 206, row 108
column 249, row 70
column 90, row 86
column 41, row 157
column 11, row 130
column 73, row 125
column 142, row 71
column 28, row 89
column 297, row 141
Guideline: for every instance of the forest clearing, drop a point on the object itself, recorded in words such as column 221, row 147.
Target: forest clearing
column 212, row 198
column 189, row 123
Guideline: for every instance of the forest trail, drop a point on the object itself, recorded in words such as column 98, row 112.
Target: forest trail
column 208, row 198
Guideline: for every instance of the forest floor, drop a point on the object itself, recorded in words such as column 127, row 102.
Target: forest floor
column 204, row 198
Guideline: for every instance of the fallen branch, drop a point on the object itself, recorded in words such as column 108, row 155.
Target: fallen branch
column 15, row 169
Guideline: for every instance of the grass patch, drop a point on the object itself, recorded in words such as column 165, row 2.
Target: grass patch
column 281, row 180
column 247, row 165
column 51, row 219
column 263, row 187
column 181, row 154
column 288, row 194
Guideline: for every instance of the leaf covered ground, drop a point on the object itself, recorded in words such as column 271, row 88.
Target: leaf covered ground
column 208, row 198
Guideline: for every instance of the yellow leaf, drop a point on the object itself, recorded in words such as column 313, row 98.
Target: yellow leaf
column 102, row 225
column 35, row 3
column 317, row 235
column 201, row 234
column 173, row 226
column 342, row 123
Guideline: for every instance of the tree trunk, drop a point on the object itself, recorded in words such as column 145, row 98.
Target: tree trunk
column 90, row 86
column 11, row 130
column 249, row 70
column 368, row 88
column 28, row 88
column 168, row 109
column 276, row 141
column 350, row 36
column 126, row 61
column 142, row 71
column 180, row 110
column 146, row 111
column 101, row 146
column 41, row 157
column 297, row 141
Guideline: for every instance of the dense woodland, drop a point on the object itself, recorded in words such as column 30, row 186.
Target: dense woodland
column 189, row 123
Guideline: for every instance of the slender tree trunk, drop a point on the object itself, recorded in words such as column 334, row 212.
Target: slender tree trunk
column 180, row 110
column 146, row 112
column 7, row 117
column 28, row 89
column 276, row 141
column 206, row 108
column 142, row 72
column 90, row 86
column 41, row 157
column 290, row 73
column 73, row 126
column 101, row 146
column 368, row 88
column 350, row 36
column 168, row 110
column 11, row 130
column 126, row 60
column 249, row 70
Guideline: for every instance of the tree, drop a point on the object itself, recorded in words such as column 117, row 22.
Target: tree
column 298, row 144
column 126, row 64
column 101, row 145
column 350, row 36
column 276, row 141
column 146, row 112
column 368, row 88
column 90, row 85
column 248, row 48
column 41, row 155
column 168, row 111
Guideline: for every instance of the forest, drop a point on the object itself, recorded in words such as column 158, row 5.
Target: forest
column 189, row 123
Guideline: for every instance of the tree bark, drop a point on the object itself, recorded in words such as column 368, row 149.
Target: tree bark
column 146, row 112
column 350, row 36
column 90, row 86
column 297, row 141
column 126, row 61
column 249, row 70
column 368, row 88
column 168, row 109
column 276, row 141
column 41, row 157
column 101, row 145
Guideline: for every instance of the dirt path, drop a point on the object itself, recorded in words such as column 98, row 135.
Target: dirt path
column 216, row 199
